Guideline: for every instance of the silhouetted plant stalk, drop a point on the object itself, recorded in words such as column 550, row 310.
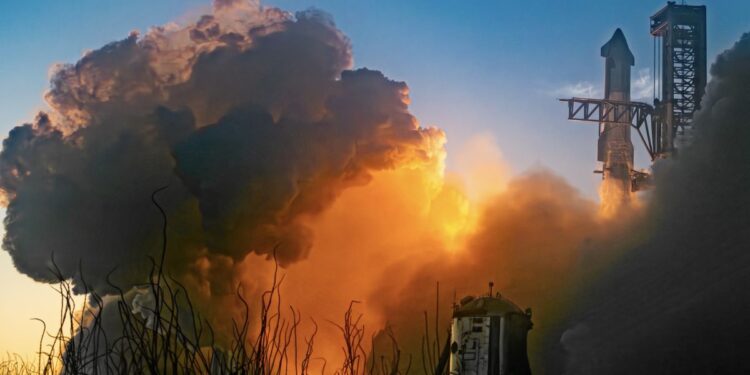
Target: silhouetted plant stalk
column 433, row 349
column 389, row 364
column 154, row 328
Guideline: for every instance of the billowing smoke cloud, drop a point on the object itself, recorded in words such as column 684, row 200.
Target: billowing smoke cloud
column 530, row 240
column 678, row 303
column 247, row 115
column 387, row 244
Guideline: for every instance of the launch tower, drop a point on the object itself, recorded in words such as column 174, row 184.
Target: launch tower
column 680, row 33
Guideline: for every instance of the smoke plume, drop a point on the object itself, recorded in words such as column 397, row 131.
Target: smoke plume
column 388, row 244
column 248, row 115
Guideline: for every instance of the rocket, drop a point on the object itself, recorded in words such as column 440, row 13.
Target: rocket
column 615, row 149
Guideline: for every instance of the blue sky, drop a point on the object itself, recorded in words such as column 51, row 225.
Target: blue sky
column 492, row 67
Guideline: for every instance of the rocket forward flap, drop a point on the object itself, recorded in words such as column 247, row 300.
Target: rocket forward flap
column 617, row 49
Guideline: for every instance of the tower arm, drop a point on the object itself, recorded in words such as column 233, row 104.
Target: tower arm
column 641, row 116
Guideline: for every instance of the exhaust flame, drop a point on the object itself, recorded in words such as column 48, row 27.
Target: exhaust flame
column 614, row 198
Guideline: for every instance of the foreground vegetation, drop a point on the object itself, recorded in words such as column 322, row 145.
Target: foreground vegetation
column 156, row 330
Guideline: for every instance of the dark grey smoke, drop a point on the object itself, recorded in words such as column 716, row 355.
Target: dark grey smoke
column 680, row 303
column 248, row 115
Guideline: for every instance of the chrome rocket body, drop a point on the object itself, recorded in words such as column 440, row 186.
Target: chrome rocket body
column 615, row 148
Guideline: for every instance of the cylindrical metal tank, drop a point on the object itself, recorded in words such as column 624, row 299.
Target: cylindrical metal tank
column 488, row 337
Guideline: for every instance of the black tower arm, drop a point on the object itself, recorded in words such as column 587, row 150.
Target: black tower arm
column 641, row 116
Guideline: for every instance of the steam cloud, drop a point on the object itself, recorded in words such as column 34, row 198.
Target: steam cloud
column 530, row 240
column 248, row 115
column 678, row 302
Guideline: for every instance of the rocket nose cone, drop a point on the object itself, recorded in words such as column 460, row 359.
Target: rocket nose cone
column 617, row 48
